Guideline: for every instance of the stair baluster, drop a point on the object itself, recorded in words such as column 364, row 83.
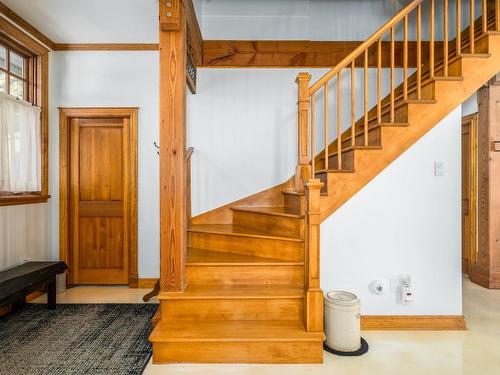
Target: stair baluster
column 365, row 99
column 325, row 115
column 458, row 39
column 445, row 38
column 497, row 15
column 339, row 119
column 353, row 104
column 484, row 16
column 471, row 28
column 405, row 59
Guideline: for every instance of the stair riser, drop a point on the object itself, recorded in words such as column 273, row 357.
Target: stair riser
column 297, row 203
column 233, row 309
column 454, row 69
column 263, row 247
column 275, row 225
column 323, row 177
column 400, row 115
column 347, row 160
column 231, row 275
column 481, row 45
column 373, row 138
column 239, row 352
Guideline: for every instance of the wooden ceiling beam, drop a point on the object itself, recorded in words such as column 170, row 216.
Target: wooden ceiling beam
column 290, row 54
column 106, row 47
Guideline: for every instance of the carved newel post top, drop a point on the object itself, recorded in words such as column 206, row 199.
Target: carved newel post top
column 303, row 76
column 314, row 183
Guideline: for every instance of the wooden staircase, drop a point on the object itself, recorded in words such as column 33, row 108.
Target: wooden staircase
column 252, row 268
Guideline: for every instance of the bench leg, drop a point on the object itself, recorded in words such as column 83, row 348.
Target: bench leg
column 19, row 305
column 51, row 295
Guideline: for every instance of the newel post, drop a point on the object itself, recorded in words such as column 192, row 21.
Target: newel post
column 303, row 170
column 173, row 232
column 314, row 296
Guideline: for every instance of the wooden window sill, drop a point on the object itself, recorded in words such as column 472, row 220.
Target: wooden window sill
column 13, row 200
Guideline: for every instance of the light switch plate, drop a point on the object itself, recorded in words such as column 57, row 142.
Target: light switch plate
column 439, row 169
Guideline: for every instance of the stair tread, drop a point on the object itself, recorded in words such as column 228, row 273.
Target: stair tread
column 347, row 135
column 335, row 171
column 209, row 257
column 229, row 229
column 246, row 291
column 293, row 192
column 232, row 331
column 352, row 148
column 277, row 211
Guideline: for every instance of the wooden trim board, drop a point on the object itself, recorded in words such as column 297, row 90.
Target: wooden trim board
column 106, row 47
column 147, row 283
column 303, row 53
column 24, row 26
column 413, row 322
column 65, row 115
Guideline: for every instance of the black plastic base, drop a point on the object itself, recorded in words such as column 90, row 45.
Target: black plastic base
column 362, row 350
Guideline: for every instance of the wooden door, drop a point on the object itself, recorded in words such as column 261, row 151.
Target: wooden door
column 101, row 209
column 469, row 191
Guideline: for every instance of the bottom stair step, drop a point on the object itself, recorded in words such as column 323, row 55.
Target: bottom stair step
column 235, row 342
column 233, row 302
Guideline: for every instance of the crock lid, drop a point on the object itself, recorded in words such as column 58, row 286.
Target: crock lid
column 340, row 297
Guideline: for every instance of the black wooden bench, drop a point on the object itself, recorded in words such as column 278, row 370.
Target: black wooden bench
column 17, row 282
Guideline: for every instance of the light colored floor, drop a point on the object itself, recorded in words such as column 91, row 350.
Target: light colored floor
column 475, row 351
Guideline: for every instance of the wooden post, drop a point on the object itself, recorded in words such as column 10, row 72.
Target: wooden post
column 313, row 311
column 303, row 171
column 173, row 235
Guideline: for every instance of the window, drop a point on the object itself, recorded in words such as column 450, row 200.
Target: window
column 20, row 147
column 23, row 128
column 13, row 73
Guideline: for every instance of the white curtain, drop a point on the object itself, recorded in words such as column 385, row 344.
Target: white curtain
column 20, row 154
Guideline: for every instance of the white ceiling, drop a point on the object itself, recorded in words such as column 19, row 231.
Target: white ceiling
column 91, row 21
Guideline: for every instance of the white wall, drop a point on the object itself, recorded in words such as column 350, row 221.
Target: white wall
column 316, row 19
column 24, row 233
column 242, row 125
column 294, row 20
column 408, row 221
column 112, row 79
column 470, row 105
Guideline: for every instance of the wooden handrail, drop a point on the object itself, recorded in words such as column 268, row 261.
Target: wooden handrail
column 363, row 46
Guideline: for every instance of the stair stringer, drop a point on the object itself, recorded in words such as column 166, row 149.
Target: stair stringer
column 421, row 118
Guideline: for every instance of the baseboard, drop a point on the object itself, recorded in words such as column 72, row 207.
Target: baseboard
column 413, row 322
column 484, row 276
column 147, row 283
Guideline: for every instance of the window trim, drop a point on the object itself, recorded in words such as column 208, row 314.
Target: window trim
column 35, row 92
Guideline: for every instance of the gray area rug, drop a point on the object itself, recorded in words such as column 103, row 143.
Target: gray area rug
column 76, row 339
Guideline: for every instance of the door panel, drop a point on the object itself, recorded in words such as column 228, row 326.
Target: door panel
column 469, row 191
column 466, row 248
column 99, row 200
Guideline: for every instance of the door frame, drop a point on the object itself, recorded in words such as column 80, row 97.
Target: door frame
column 472, row 120
column 65, row 116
